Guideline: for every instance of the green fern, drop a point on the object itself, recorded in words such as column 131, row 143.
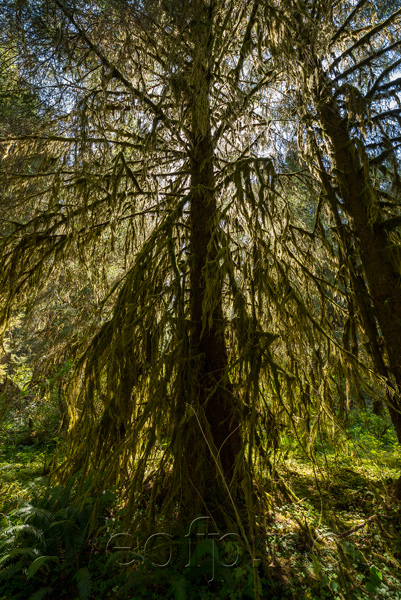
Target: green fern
column 45, row 541
column 179, row 588
column 83, row 579
column 38, row 563
column 40, row 594
column 17, row 552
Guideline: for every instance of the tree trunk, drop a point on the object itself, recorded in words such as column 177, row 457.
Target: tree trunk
column 382, row 278
column 214, row 401
column 216, row 396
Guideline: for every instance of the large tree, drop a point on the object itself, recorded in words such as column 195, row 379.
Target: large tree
column 167, row 152
column 155, row 112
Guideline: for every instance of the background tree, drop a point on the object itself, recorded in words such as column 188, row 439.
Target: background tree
column 341, row 67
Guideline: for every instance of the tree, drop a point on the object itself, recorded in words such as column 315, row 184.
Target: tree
column 18, row 113
column 166, row 142
column 147, row 129
column 341, row 64
column 156, row 146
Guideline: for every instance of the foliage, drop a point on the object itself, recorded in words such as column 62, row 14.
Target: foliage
column 46, row 539
column 342, row 74
column 339, row 537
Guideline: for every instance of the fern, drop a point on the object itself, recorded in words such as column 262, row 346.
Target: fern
column 179, row 587
column 83, row 579
column 55, row 531
column 29, row 511
column 12, row 569
column 23, row 529
column 42, row 593
column 16, row 552
column 38, row 563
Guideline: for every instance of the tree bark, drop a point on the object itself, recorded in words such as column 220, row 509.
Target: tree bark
column 214, row 402
column 216, row 396
column 382, row 279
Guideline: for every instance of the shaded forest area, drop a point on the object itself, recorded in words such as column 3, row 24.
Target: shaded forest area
column 200, row 299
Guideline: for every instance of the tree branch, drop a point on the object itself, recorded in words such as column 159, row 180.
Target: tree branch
column 347, row 21
column 365, row 38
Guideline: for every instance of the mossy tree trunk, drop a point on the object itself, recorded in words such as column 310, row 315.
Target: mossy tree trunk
column 335, row 103
column 350, row 173
column 214, row 401
column 374, row 246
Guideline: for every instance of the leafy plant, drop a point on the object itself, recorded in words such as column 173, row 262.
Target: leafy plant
column 44, row 547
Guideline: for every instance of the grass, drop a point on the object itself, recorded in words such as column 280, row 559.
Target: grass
column 342, row 537
column 21, row 467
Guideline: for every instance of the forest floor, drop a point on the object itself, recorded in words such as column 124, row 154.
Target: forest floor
column 333, row 532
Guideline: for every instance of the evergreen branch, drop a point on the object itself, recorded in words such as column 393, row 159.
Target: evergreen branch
column 247, row 40
column 366, row 61
column 395, row 83
column 347, row 21
column 385, row 73
column 389, row 224
column 367, row 37
column 117, row 73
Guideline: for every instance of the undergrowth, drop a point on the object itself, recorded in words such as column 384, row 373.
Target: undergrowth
column 338, row 538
